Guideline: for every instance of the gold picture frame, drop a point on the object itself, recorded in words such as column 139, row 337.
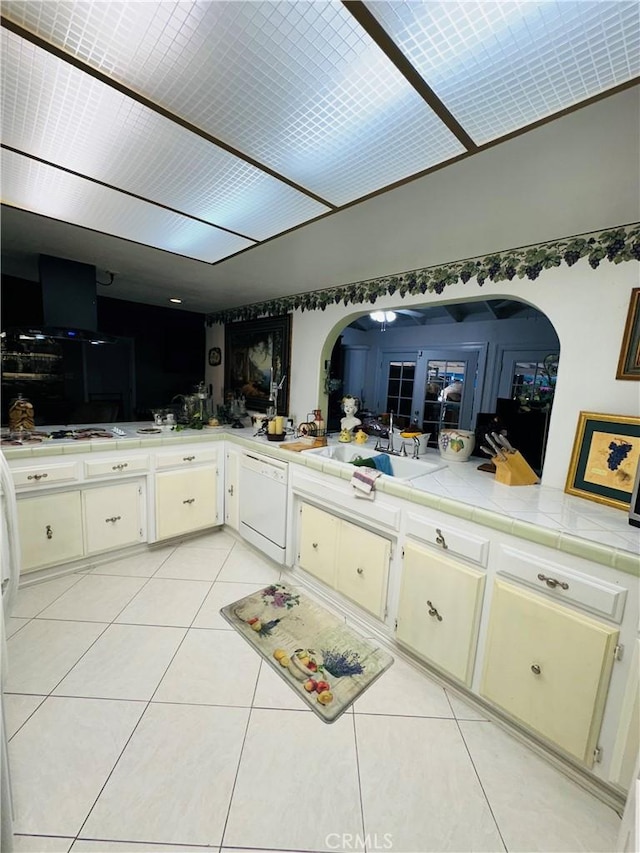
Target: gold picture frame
column 604, row 460
column 629, row 361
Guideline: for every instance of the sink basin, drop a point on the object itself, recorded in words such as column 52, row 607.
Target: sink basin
column 404, row 468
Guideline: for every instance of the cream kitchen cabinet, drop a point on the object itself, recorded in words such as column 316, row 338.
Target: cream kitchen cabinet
column 231, row 488
column 186, row 500
column 318, row 543
column 50, row 528
column 112, row 517
column 346, row 557
column 439, row 609
column 548, row 667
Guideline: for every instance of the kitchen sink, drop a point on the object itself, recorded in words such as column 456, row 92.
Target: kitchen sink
column 403, row 467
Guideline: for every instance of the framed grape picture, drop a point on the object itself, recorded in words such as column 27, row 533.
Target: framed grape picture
column 605, row 457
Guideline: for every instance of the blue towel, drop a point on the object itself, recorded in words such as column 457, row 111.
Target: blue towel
column 383, row 464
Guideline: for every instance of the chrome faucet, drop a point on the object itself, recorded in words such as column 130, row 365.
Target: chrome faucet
column 389, row 448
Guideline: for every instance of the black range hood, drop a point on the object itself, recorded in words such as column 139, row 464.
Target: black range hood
column 68, row 303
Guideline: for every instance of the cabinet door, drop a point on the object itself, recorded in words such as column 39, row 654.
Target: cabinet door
column 363, row 567
column 231, row 484
column 549, row 667
column 318, row 541
column 439, row 610
column 186, row 501
column 50, row 529
column 112, row 517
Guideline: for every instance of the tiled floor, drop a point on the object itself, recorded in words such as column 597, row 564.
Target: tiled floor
column 140, row 721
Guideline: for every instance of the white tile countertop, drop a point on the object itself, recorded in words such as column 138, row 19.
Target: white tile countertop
column 537, row 513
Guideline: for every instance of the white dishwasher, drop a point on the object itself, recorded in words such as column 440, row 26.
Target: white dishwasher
column 263, row 504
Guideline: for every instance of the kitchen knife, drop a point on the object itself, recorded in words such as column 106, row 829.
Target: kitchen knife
column 487, row 450
column 498, row 450
column 502, row 442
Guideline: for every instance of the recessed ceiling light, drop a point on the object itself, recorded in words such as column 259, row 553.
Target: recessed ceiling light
column 175, row 300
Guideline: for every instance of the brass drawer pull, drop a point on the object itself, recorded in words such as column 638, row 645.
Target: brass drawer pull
column 37, row 476
column 49, row 531
column 434, row 612
column 189, row 501
column 113, row 518
column 120, row 466
column 552, row 582
column 535, row 669
column 314, row 544
column 440, row 539
column 188, row 458
column 360, row 571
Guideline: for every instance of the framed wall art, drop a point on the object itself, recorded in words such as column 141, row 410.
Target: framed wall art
column 605, row 457
column 255, row 352
column 629, row 362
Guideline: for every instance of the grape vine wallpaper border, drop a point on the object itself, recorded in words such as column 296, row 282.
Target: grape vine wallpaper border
column 616, row 245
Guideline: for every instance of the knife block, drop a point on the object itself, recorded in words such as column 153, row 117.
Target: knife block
column 514, row 470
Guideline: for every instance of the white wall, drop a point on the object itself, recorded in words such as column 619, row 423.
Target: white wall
column 587, row 308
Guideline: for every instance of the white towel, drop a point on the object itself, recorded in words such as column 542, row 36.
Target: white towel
column 364, row 482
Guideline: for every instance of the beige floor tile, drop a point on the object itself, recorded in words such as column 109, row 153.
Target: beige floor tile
column 297, row 783
column 211, row 668
column 198, row 564
column 173, row 782
column 44, row 651
column 244, row 565
column 61, row 758
column 126, row 662
column 420, row 791
column 40, row 844
column 405, row 691
column 32, row 600
column 95, row 598
column 164, row 601
column 222, row 593
column 142, row 565
column 536, row 807
column 18, row 708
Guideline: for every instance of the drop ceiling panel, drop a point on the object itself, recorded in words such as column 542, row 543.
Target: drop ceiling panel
column 60, row 114
column 501, row 65
column 46, row 190
column 299, row 87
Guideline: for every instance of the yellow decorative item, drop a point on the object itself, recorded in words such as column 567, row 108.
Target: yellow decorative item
column 361, row 437
column 345, row 435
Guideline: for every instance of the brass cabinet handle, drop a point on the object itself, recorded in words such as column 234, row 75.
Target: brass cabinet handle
column 552, row 582
column 189, row 501
column 37, row 476
column 120, row 466
column 360, row 571
column 49, row 531
column 314, row 544
column 188, row 458
column 536, row 669
column 434, row 612
column 113, row 518
column 440, row 539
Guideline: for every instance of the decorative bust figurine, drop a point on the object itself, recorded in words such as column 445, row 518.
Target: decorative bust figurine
column 350, row 407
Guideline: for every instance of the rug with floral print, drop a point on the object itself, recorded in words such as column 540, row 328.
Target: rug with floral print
column 326, row 662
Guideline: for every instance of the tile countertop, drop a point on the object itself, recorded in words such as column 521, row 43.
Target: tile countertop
column 537, row 513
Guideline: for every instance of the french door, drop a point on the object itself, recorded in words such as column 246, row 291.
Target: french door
column 416, row 386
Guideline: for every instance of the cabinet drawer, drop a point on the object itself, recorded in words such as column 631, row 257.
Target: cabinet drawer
column 116, row 466
column 363, row 567
column 45, row 475
column 549, row 667
column 50, row 528
column 449, row 537
column 112, row 517
column 185, row 458
column 563, row 584
column 439, row 610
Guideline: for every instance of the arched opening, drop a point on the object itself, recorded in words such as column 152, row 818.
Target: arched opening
column 474, row 365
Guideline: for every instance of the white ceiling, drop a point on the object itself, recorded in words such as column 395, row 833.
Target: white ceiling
column 157, row 140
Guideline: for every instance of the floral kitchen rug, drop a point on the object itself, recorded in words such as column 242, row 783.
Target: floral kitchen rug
column 324, row 661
